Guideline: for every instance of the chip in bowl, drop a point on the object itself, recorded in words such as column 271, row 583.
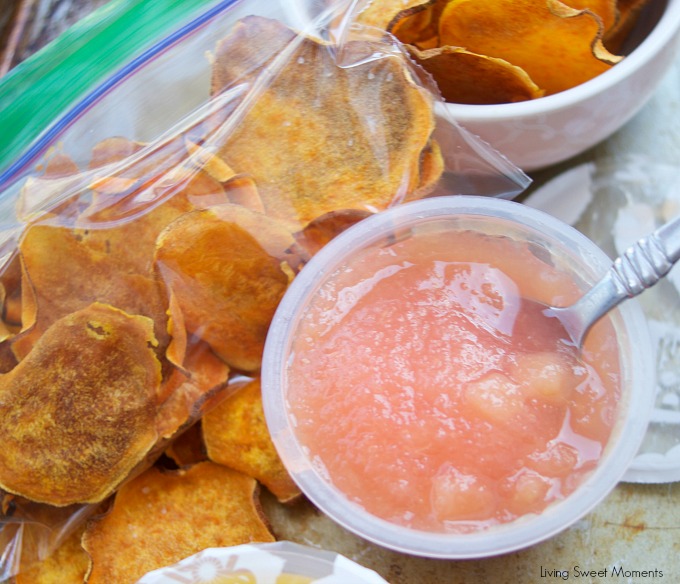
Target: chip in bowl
column 504, row 51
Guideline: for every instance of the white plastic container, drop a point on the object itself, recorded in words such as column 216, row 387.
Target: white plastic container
column 281, row 561
column 561, row 245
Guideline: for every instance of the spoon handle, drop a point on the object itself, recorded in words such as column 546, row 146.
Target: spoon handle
column 641, row 266
column 648, row 260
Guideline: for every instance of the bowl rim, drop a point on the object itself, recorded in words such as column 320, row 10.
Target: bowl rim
column 660, row 36
column 505, row 538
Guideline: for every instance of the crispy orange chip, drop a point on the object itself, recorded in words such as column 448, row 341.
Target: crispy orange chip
column 105, row 256
column 318, row 138
column 78, row 413
column 5, row 331
column 223, row 267
column 6, row 502
column 138, row 162
column 130, row 179
column 68, row 564
column 628, row 15
column 319, row 232
column 382, row 13
column 236, row 435
column 189, row 389
column 242, row 190
column 210, row 162
column 553, row 45
column 188, row 448
column 160, row 518
column 558, row 46
column 465, row 77
column 10, row 282
column 113, row 150
column 432, row 167
column 67, row 269
column 606, row 10
column 7, row 359
column 53, row 190
column 418, row 25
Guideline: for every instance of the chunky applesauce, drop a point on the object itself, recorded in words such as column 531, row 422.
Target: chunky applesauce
column 425, row 384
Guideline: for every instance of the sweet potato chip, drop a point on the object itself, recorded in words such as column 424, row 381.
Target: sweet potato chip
column 189, row 389
column 236, row 435
column 130, row 178
column 418, row 25
column 78, row 413
column 105, row 256
column 465, row 77
column 162, row 517
column 319, row 232
column 628, row 15
column 67, row 269
column 382, row 13
column 177, row 190
column 606, row 10
column 177, row 348
column 10, row 282
column 558, row 46
column 210, row 162
column 432, row 167
column 112, row 150
column 138, row 162
column 10, row 307
column 6, row 503
column 188, row 448
column 223, row 266
column 34, row 539
column 8, row 361
column 56, row 190
column 242, row 190
column 68, row 564
column 318, row 137
column 63, row 188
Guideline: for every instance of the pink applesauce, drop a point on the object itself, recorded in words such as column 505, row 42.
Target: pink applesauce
column 430, row 392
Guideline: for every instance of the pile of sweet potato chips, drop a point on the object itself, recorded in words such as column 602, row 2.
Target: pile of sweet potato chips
column 503, row 51
column 136, row 305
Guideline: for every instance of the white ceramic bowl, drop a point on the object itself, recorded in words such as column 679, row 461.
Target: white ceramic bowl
column 559, row 245
column 541, row 132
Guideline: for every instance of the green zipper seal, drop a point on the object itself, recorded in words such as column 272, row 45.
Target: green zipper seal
column 37, row 91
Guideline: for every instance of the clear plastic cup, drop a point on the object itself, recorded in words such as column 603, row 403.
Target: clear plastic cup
column 558, row 244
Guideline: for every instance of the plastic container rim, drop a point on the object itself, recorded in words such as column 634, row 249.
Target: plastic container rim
column 523, row 532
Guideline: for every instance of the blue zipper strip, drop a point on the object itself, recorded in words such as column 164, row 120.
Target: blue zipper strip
column 14, row 171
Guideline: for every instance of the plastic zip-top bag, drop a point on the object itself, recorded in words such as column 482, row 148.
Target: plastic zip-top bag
column 149, row 230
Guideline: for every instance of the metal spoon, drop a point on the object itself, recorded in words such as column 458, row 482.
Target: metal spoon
column 641, row 266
